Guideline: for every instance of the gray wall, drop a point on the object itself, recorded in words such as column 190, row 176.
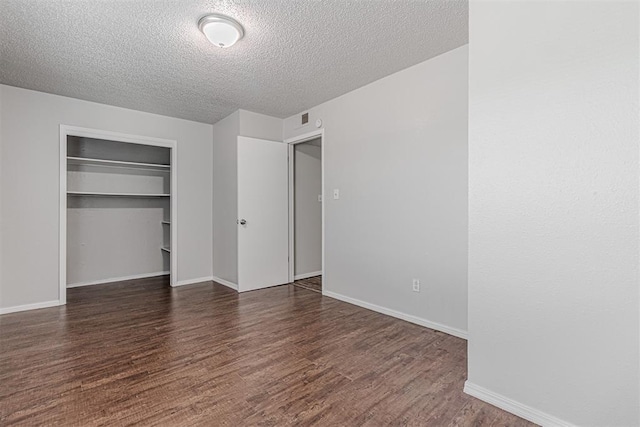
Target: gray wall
column 225, row 198
column 29, row 184
column 553, row 236
column 307, row 208
column 225, row 183
column 397, row 150
column 112, row 238
column 254, row 125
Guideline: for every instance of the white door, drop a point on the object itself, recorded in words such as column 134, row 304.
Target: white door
column 263, row 213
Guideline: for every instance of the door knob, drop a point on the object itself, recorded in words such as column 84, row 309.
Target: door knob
column 242, row 222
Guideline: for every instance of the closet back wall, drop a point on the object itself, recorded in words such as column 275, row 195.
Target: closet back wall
column 29, row 184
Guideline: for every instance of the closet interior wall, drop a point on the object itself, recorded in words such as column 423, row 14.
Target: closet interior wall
column 118, row 210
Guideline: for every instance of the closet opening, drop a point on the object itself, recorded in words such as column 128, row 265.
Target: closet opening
column 118, row 208
column 306, row 213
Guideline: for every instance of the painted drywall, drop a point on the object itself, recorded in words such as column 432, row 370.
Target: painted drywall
column 110, row 238
column 553, row 204
column 30, row 186
column 397, row 151
column 256, row 125
column 225, row 183
column 225, row 198
column 1, row 197
column 307, row 209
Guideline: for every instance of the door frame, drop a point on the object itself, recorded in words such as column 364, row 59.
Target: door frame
column 65, row 131
column 318, row 133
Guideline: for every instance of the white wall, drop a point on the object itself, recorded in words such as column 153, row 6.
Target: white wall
column 225, row 183
column 225, row 198
column 256, row 125
column 2, row 142
column 397, row 150
column 307, row 209
column 553, row 226
column 29, row 186
column 111, row 238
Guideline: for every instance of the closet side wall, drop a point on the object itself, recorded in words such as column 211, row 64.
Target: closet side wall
column 30, row 135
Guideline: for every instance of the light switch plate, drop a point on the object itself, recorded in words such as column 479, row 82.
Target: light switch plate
column 336, row 194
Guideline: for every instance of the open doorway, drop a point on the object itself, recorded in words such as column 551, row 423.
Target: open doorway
column 306, row 213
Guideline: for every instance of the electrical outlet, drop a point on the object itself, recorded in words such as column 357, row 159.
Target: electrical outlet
column 416, row 285
column 336, row 194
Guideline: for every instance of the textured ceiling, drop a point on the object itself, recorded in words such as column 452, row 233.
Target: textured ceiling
column 149, row 54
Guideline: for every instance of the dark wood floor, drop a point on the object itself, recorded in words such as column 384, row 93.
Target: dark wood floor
column 141, row 352
column 311, row 283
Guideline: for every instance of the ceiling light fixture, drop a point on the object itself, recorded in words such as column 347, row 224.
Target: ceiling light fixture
column 221, row 30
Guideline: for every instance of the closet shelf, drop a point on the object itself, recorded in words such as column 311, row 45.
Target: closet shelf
column 166, row 249
column 100, row 194
column 85, row 161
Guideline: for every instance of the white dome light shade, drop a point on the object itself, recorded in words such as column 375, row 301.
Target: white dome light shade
column 221, row 30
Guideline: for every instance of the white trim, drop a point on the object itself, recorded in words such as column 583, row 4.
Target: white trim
column 307, row 275
column 193, row 281
column 86, row 161
column 318, row 133
column 398, row 315
column 65, row 131
column 305, row 137
column 118, row 279
column 516, row 408
column 35, row 306
column 62, row 227
column 291, row 202
column 102, row 194
column 226, row 283
column 117, row 136
column 173, row 218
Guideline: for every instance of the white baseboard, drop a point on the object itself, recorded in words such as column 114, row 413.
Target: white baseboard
column 516, row 408
column 408, row 317
column 307, row 275
column 226, row 283
column 118, row 279
column 35, row 306
column 193, row 281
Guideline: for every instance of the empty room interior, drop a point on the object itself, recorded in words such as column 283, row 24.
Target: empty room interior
column 332, row 213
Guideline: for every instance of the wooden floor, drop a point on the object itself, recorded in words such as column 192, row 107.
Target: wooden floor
column 141, row 352
column 311, row 283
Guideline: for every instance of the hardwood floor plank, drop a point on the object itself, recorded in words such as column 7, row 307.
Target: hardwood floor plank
column 140, row 352
column 310, row 283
